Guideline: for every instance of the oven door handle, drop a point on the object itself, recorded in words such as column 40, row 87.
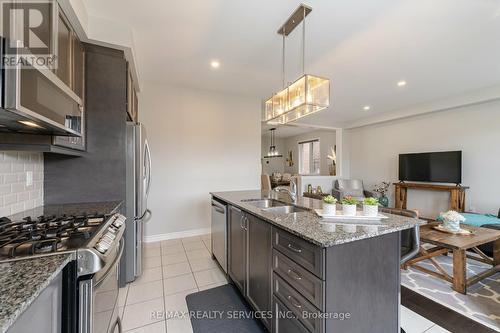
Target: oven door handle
column 111, row 266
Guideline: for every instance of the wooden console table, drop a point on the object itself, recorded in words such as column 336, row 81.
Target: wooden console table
column 457, row 194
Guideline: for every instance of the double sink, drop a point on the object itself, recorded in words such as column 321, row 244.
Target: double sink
column 274, row 206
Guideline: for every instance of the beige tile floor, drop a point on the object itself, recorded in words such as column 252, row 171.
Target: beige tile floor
column 179, row 267
column 172, row 270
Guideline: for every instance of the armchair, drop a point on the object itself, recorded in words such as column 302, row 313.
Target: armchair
column 351, row 187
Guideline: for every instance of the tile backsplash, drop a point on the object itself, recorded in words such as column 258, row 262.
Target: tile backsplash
column 21, row 181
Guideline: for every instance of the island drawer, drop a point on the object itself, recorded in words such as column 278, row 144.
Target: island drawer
column 307, row 313
column 303, row 281
column 308, row 255
column 284, row 321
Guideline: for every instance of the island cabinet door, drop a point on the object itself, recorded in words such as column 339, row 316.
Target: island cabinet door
column 259, row 266
column 237, row 248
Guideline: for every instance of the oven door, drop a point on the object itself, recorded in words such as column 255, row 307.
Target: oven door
column 98, row 307
column 35, row 100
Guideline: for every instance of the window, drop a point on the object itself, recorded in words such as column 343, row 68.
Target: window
column 309, row 157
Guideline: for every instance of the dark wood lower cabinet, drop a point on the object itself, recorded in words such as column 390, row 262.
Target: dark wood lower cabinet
column 259, row 265
column 284, row 320
column 237, row 248
column 250, row 260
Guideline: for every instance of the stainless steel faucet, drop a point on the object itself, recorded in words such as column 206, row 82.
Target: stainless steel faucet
column 291, row 191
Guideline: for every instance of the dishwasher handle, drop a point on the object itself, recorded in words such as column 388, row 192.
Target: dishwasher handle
column 220, row 208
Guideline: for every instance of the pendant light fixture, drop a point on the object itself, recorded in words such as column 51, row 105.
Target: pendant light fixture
column 273, row 152
column 308, row 94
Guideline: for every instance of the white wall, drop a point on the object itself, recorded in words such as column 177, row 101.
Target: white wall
column 200, row 141
column 373, row 151
column 15, row 196
column 326, row 142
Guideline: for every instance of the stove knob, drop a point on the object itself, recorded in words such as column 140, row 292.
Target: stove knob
column 109, row 236
column 102, row 247
column 120, row 219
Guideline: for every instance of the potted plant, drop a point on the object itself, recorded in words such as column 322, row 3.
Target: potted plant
column 329, row 205
column 451, row 220
column 382, row 188
column 349, row 206
column 370, row 207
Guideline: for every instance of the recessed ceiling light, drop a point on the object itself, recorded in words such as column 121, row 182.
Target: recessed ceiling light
column 366, row 107
column 401, row 83
column 215, row 64
column 30, row 123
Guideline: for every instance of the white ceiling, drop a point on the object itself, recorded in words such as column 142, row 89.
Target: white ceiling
column 442, row 48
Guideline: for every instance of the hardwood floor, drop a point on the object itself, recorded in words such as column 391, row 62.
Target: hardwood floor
column 439, row 314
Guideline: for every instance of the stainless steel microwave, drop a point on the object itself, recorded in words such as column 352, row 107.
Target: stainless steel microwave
column 34, row 100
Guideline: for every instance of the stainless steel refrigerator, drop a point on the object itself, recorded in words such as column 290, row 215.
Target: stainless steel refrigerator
column 138, row 184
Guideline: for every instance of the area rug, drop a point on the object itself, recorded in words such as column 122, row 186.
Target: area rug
column 482, row 302
column 221, row 310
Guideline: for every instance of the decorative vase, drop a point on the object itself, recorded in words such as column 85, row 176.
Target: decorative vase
column 384, row 201
column 349, row 210
column 333, row 170
column 370, row 210
column 451, row 225
column 329, row 209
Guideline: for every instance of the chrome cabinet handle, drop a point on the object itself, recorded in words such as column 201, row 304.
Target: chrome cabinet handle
column 294, row 274
column 246, row 223
column 294, row 249
column 241, row 222
column 294, row 302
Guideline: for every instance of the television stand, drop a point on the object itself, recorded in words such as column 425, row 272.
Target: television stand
column 457, row 194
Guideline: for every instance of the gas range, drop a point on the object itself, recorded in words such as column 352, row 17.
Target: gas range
column 46, row 234
column 95, row 242
column 88, row 236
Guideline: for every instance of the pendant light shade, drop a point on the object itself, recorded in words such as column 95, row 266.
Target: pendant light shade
column 307, row 95
column 273, row 152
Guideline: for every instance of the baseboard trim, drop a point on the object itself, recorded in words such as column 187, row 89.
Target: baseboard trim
column 178, row 234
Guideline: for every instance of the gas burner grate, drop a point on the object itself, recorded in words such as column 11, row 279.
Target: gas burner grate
column 46, row 234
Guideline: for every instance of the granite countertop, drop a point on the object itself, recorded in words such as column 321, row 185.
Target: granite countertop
column 22, row 281
column 309, row 226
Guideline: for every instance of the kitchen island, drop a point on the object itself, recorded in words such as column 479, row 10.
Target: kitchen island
column 313, row 276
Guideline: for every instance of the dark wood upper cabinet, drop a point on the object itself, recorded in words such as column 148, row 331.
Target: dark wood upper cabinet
column 132, row 100
column 64, row 49
column 78, row 66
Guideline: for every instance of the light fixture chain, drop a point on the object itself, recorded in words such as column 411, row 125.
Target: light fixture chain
column 283, row 61
column 304, row 41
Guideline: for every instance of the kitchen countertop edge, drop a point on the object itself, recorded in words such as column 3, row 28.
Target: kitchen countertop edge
column 309, row 236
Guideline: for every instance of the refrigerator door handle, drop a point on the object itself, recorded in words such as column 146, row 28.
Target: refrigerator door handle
column 148, row 152
column 142, row 218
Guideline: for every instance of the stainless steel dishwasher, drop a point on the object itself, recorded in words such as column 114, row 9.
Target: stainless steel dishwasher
column 219, row 233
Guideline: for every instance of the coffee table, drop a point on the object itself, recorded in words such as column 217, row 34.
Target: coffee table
column 458, row 244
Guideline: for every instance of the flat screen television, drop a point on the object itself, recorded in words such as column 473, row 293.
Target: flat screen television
column 438, row 167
